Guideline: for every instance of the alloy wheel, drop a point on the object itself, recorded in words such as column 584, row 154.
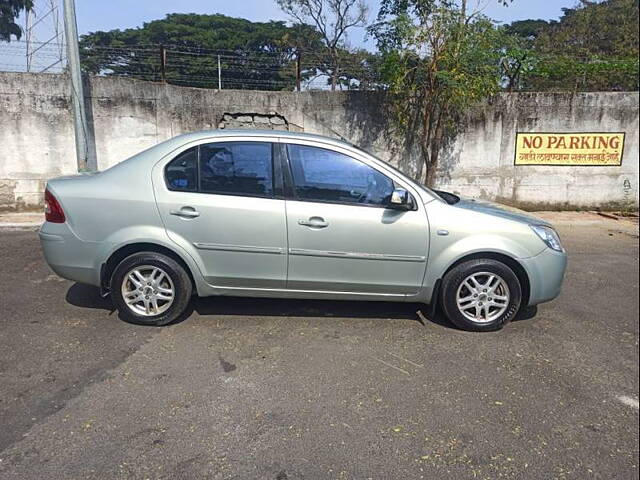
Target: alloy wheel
column 148, row 290
column 483, row 297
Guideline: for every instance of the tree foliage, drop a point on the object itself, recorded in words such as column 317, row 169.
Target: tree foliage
column 256, row 55
column 437, row 61
column 253, row 55
column 592, row 47
column 361, row 70
column 594, row 29
column 333, row 19
column 9, row 10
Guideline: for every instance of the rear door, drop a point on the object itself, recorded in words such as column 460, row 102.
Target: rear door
column 224, row 201
column 342, row 235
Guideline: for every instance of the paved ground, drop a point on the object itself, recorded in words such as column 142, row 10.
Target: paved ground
column 265, row 389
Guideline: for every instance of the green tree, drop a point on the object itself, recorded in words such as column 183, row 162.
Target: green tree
column 519, row 58
column 9, row 10
column 594, row 28
column 254, row 55
column 592, row 47
column 333, row 19
column 527, row 29
column 361, row 70
column 438, row 59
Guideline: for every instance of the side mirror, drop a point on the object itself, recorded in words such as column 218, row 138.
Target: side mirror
column 400, row 199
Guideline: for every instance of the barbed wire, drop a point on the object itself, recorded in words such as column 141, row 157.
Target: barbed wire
column 200, row 51
column 285, row 69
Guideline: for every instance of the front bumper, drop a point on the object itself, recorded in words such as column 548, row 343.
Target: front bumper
column 546, row 273
column 67, row 255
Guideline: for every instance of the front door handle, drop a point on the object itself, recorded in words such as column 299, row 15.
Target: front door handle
column 185, row 212
column 314, row 222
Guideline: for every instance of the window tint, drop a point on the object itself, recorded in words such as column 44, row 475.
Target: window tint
column 182, row 172
column 325, row 175
column 240, row 168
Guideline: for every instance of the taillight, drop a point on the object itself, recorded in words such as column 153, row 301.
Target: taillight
column 52, row 209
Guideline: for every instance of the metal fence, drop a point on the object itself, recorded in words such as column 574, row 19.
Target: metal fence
column 32, row 56
column 287, row 70
column 200, row 67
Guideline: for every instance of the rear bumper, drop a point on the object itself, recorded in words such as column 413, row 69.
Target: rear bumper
column 546, row 274
column 67, row 255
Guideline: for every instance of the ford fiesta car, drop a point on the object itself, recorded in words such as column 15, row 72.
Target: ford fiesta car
column 277, row 214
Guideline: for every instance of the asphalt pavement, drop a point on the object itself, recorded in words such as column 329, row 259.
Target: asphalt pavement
column 283, row 390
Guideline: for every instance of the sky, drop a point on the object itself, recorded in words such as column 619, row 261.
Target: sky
column 97, row 15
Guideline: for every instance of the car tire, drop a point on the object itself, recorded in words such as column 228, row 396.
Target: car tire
column 481, row 295
column 149, row 288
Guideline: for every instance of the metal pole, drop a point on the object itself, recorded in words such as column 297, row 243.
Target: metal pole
column 27, row 31
column 219, row 74
column 77, row 94
column 163, row 64
column 298, row 75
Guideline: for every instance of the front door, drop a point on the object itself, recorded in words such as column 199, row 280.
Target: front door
column 342, row 236
column 221, row 198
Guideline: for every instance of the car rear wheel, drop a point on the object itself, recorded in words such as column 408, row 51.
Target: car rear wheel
column 481, row 295
column 149, row 288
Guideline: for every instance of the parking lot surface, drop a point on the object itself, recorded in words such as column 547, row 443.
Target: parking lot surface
column 281, row 389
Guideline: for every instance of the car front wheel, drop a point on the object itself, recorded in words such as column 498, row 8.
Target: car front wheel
column 149, row 288
column 481, row 295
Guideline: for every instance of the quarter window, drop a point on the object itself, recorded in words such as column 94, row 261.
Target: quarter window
column 182, row 172
column 327, row 176
column 237, row 168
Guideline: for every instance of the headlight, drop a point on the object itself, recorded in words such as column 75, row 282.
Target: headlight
column 549, row 236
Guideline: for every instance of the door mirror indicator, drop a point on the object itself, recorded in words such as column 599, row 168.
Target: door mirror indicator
column 400, row 199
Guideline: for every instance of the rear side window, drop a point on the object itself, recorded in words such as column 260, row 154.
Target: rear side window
column 226, row 168
column 237, row 168
column 182, row 172
column 328, row 176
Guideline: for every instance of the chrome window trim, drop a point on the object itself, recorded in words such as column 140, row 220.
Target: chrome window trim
column 366, row 205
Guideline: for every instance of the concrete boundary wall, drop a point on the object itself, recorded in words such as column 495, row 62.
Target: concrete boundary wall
column 127, row 116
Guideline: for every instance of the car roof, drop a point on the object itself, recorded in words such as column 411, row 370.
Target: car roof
column 187, row 137
column 153, row 153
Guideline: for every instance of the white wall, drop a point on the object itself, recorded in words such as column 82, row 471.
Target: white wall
column 127, row 116
column 481, row 159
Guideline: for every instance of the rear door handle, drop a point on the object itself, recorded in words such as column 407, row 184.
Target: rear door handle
column 314, row 222
column 185, row 212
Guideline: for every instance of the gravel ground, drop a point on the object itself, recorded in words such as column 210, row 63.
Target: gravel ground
column 273, row 389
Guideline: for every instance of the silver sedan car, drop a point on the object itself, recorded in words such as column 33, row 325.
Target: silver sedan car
column 277, row 214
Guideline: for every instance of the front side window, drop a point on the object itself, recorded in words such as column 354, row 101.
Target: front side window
column 236, row 168
column 327, row 176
